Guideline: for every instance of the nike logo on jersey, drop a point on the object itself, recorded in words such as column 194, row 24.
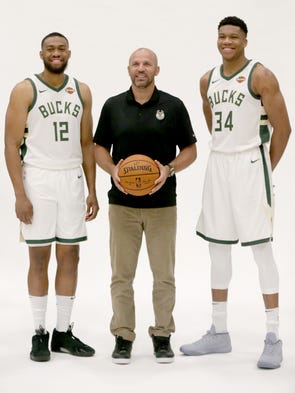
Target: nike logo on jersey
column 216, row 80
column 79, row 176
column 252, row 161
column 42, row 91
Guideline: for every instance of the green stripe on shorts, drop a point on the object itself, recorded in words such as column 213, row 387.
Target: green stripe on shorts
column 71, row 241
column 40, row 241
column 266, row 176
column 209, row 239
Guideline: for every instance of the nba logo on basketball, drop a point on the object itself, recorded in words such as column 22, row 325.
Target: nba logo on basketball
column 138, row 182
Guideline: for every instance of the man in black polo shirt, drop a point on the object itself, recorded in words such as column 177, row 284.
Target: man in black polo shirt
column 147, row 121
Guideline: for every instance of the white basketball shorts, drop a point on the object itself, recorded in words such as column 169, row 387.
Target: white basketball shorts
column 59, row 206
column 237, row 202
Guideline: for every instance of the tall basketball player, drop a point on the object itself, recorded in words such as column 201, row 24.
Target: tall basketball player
column 48, row 141
column 245, row 112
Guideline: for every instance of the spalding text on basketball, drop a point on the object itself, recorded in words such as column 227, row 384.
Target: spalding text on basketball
column 137, row 168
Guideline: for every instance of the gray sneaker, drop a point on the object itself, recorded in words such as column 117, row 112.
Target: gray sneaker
column 272, row 355
column 211, row 342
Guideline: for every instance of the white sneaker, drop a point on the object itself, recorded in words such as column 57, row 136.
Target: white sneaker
column 272, row 355
column 211, row 342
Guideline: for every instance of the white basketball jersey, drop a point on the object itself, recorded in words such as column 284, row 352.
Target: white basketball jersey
column 239, row 121
column 52, row 135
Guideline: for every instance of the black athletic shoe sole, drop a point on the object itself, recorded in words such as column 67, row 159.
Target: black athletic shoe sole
column 80, row 354
column 40, row 358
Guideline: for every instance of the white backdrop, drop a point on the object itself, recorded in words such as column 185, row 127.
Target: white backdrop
column 102, row 35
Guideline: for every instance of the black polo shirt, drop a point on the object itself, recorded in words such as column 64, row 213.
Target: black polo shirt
column 155, row 129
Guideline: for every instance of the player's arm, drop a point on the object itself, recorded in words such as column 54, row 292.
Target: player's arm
column 105, row 161
column 206, row 105
column 265, row 84
column 15, row 121
column 88, row 163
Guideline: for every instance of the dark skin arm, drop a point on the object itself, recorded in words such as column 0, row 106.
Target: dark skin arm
column 265, row 84
column 20, row 99
column 206, row 105
column 88, row 163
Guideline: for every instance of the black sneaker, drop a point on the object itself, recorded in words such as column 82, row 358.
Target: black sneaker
column 122, row 352
column 40, row 352
column 66, row 342
column 162, row 349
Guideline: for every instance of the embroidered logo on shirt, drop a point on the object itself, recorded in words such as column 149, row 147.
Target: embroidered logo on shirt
column 160, row 115
column 241, row 79
column 70, row 90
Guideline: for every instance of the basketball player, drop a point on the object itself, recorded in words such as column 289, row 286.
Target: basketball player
column 49, row 122
column 242, row 104
column 143, row 120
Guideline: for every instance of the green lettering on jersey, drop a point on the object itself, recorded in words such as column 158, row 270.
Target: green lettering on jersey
column 76, row 110
column 239, row 99
column 43, row 111
column 67, row 108
column 227, row 124
column 53, row 107
column 58, row 107
column 225, row 96
column 231, row 96
column 217, row 97
column 61, row 131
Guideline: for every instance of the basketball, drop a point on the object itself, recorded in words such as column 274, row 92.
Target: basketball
column 138, row 174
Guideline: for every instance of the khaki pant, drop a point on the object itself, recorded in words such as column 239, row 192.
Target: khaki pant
column 126, row 229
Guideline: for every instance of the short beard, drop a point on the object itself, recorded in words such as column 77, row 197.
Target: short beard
column 146, row 84
column 54, row 70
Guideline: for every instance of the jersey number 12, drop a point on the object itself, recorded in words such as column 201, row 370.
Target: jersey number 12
column 61, row 131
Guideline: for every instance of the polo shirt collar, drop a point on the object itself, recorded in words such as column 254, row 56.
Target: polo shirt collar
column 154, row 98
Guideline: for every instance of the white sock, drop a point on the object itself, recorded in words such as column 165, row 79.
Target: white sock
column 64, row 306
column 272, row 320
column 219, row 316
column 39, row 308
